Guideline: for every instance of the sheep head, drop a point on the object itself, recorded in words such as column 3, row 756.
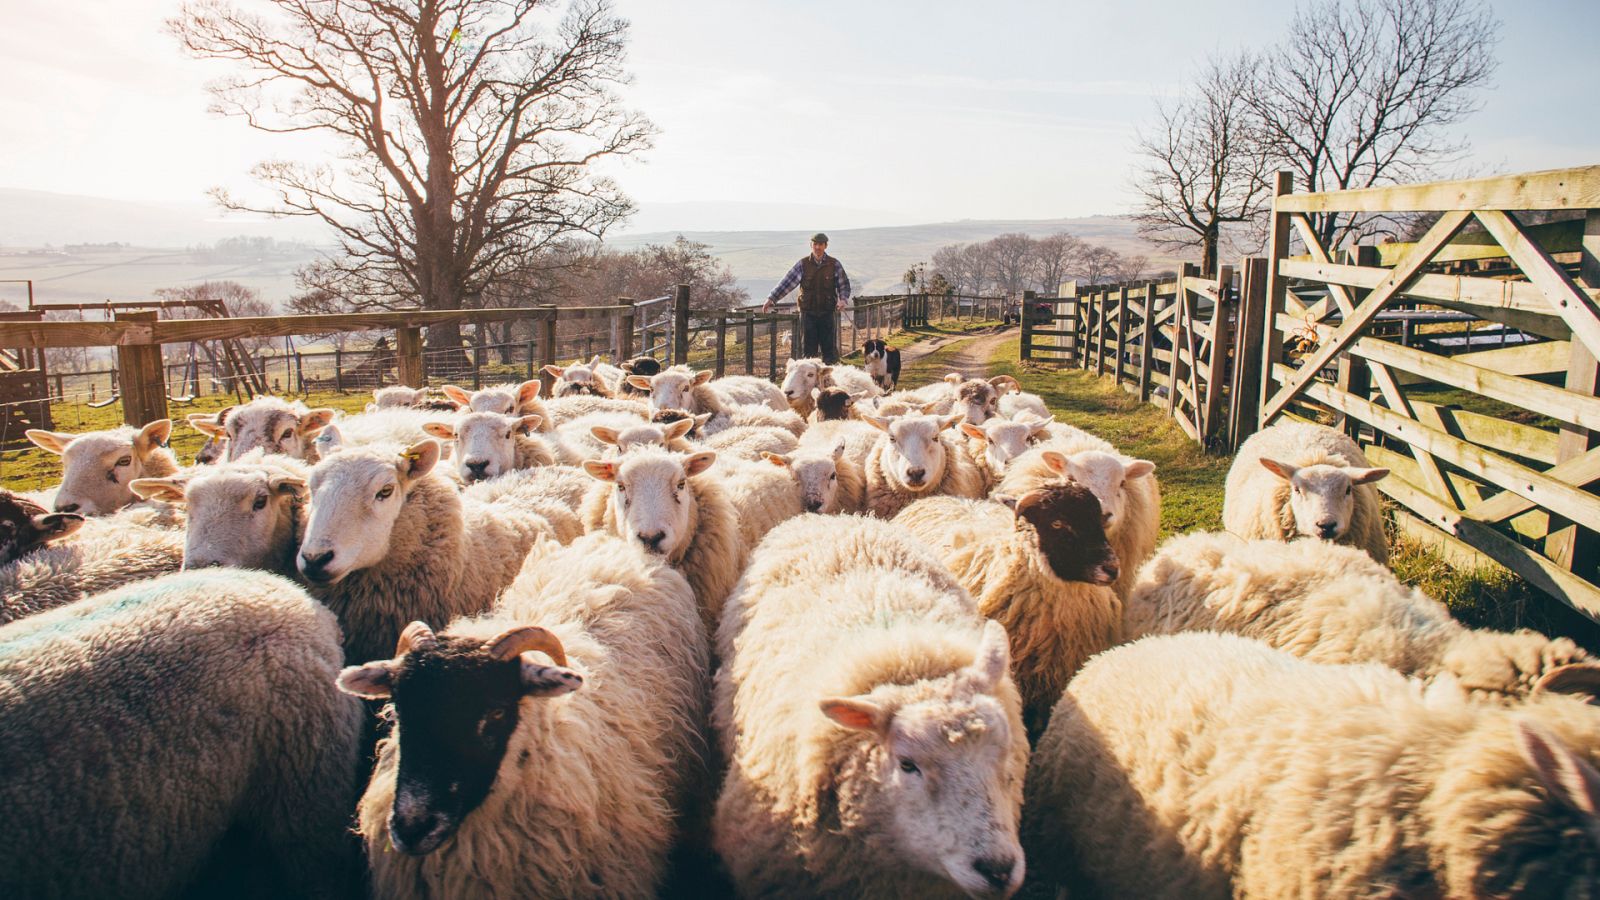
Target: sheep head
column 914, row 453
column 651, row 499
column 97, row 467
column 242, row 515
column 356, row 497
column 801, row 376
column 457, row 703
column 1322, row 496
column 25, row 526
column 1065, row 523
column 486, row 442
column 937, row 769
column 816, row 473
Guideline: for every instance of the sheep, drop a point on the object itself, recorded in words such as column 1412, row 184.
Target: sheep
column 912, row 459
column 998, row 441
column 577, row 436
column 142, row 725
column 802, row 376
column 1040, row 565
column 579, row 379
column 829, row 481
column 1129, row 494
column 1296, row 478
column 93, row 561
column 554, row 492
column 903, row 403
column 882, row 363
column 762, row 494
column 396, row 396
column 643, row 434
column 974, row 398
column 1017, row 402
column 271, row 423
column 1334, row 604
column 683, row 388
column 249, row 514
column 563, row 410
column 669, row 504
column 859, row 438
column 489, row 444
column 639, row 365
column 1207, row 765
column 668, row 416
column 476, row 785
column 748, row 442
column 25, row 526
column 97, row 466
column 872, row 731
column 831, row 404
column 388, row 541
column 215, row 449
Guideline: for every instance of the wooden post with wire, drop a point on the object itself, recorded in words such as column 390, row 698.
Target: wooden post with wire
column 139, row 369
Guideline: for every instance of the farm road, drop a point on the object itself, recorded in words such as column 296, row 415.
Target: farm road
column 973, row 360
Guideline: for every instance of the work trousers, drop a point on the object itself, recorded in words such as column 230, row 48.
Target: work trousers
column 819, row 336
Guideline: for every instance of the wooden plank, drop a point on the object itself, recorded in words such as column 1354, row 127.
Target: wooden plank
column 1500, row 435
column 1534, row 523
column 1277, row 298
column 1556, row 496
column 1122, row 335
column 178, row 331
column 1578, row 471
column 1554, row 237
column 1521, row 360
column 408, row 357
column 1572, row 303
column 140, row 375
column 1245, row 391
column 1554, row 189
column 1146, row 342
column 1353, row 325
column 1571, row 545
column 1217, row 361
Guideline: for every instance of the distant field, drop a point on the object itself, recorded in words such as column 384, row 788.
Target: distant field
column 135, row 273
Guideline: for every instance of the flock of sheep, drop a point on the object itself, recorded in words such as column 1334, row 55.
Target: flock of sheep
column 823, row 639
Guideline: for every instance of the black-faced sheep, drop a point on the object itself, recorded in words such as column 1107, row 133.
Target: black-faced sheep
column 1213, row 766
column 872, row 732
column 831, row 404
column 25, row 526
column 803, row 376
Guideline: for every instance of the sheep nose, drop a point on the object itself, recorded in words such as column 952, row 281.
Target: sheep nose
column 410, row 833
column 813, row 505
column 67, row 507
column 1327, row 529
column 315, row 566
column 653, row 541
column 995, row 871
column 1105, row 517
column 477, row 467
column 1107, row 573
column 915, row 476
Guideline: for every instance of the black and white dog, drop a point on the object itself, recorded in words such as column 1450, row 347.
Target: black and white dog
column 883, row 364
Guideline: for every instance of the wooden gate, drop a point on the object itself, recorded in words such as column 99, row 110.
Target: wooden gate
column 1495, row 447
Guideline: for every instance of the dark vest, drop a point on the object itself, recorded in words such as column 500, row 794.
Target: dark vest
column 817, row 294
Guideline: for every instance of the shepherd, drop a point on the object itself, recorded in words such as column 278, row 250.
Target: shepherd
column 824, row 290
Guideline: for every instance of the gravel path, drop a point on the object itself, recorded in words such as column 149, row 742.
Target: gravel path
column 973, row 360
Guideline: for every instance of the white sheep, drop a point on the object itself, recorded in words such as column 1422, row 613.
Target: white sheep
column 140, row 726
column 92, row 561
column 272, row 424
column 566, row 409
column 976, row 399
column 388, row 542
column 915, row 458
column 1016, row 403
column 830, row 482
column 585, row 685
column 555, row 492
column 1335, row 604
column 763, row 495
column 995, row 443
column 802, row 376
column 644, row 434
column 858, row 438
column 578, row 436
column 396, row 396
column 683, row 388
column 1041, row 566
column 97, row 466
column 668, row 503
column 1129, row 494
column 489, row 445
column 748, row 442
column 248, row 514
column 505, row 399
column 872, row 733
column 395, row 425
column 1213, row 766
column 1296, row 478
column 595, row 379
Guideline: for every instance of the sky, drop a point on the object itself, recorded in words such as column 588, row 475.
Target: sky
column 778, row 114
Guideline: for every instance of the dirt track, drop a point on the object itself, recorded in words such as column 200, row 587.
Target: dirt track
column 973, row 360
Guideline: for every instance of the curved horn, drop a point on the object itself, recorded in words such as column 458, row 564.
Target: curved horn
column 1000, row 381
column 1578, row 678
column 417, row 636
column 528, row 637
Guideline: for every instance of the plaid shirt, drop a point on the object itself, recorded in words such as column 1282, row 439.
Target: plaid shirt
column 841, row 282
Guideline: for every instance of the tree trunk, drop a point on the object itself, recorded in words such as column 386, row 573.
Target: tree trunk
column 1208, row 251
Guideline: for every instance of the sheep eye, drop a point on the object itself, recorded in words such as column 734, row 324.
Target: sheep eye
column 683, row 484
column 1058, row 525
column 387, row 492
column 286, row 435
column 495, row 715
column 508, row 435
column 125, row 461
column 834, row 477
column 909, row 767
column 260, row 504
column 622, row 488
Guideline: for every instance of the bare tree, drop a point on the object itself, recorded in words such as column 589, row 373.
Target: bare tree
column 960, row 267
column 1203, row 164
column 237, row 299
column 1098, row 263
column 1128, row 269
column 470, row 128
column 1362, row 92
column 1053, row 257
column 1013, row 259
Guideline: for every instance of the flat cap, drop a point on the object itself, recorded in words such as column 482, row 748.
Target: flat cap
column 819, row 238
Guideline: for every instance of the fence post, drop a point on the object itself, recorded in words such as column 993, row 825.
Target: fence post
column 1573, row 544
column 1147, row 335
column 1221, row 345
column 547, row 350
column 1277, row 290
column 749, row 343
column 1100, row 332
column 625, row 331
column 680, row 324
column 408, row 357
column 1245, row 392
column 1354, row 376
column 772, row 348
column 1027, row 325
column 1122, row 331
column 721, row 366
column 338, row 368
column 1180, row 312
column 143, row 378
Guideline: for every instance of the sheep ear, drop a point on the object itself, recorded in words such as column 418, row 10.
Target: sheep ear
column 701, row 420
column 788, row 365
column 529, row 390
column 540, row 679
column 169, row 490
column 54, row 526
column 930, row 408
column 1582, row 679
column 595, row 361
column 1282, row 470
column 776, row 459
column 699, row 462
column 1139, row 468
column 838, row 451
column 824, row 373
column 992, row 660
column 679, row 428
column 459, row 395
column 152, row 436
column 974, row 432
column 444, row 431
column 857, row 714
column 289, row 484
column 1039, row 425
column 206, row 425
column 1570, row 779
column 1366, row 476
column 947, row 421
column 1055, row 460
column 554, row 371
column 601, row 470
column 642, row 382
column 1006, row 500
column 331, row 440
column 702, row 377
column 953, row 378
column 419, row 459
column 529, row 423
column 54, row 441
column 372, row 681
column 315, row 420
column 605, row 435
column 877, row 422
